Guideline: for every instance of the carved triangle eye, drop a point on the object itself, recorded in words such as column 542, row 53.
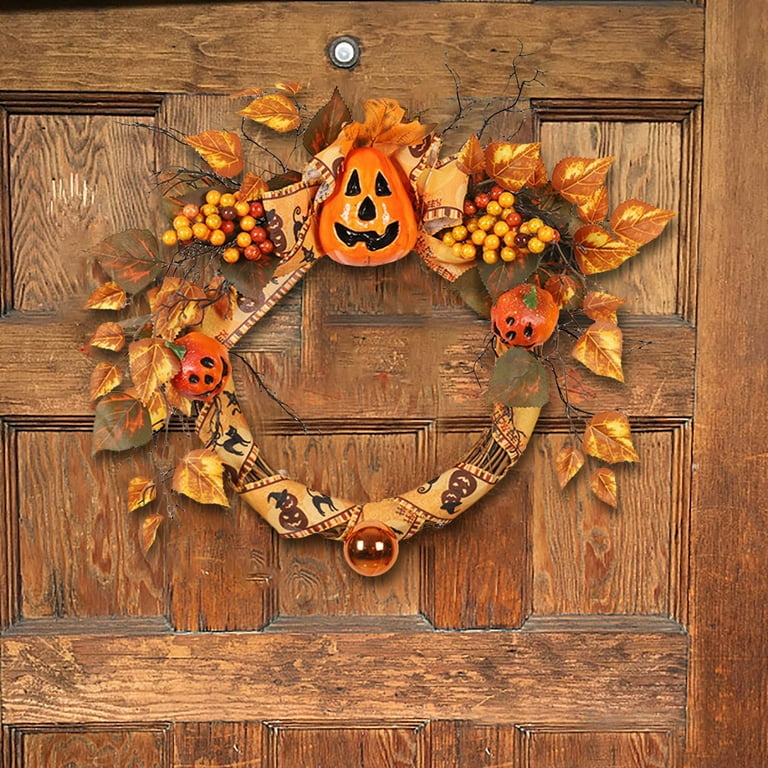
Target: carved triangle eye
column 382, row 185
column 353, row 184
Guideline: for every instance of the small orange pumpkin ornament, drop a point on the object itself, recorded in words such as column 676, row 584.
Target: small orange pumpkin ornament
column 205, row 366
column 368, row 219
column 524, row 316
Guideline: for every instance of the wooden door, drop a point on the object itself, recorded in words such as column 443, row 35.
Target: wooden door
column 539, row 630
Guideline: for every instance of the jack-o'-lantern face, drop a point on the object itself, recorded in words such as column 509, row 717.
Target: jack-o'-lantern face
column 369, row 218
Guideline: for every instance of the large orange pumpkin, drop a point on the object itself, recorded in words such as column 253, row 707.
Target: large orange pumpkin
column 368, row 219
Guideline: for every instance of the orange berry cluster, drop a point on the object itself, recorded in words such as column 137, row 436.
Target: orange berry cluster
column 223, row 220
column 494, row 230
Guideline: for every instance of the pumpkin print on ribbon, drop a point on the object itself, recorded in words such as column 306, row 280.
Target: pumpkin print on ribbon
column 369, row 218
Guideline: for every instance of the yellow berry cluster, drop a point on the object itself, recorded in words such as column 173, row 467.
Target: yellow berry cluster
column 494, row 230
column 223, row 220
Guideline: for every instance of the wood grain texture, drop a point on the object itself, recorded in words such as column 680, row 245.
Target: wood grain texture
column 460, row 743
column 601, row 750
column 652, row 49
column 587, row 675
column 729, row 518
column 209, row 745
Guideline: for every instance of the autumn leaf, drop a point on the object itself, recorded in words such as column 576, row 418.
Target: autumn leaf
column 539, row 177
column 158, row 409
column 274, row 110
column 563, row 289
column 289, row 86
column 603, row 485
column 573, row 386
column 222, row 150
column 637, row 223
column 568, row 462
column 598, row 305
column 130, row 259
column 149, row 527
column 599, row 349
column 104, row 378
column 176, row 401
column 595, row 207
column 578, row 178
column 152, row 364
column 384, row 124
column 252, row 188
column 596, row 251
column 200, row 475
column 141, row 491
column 326, row 124
column 518, row 380
column 471, row 157
column 608, row 437
column 120, row 422
column 107, row 296
column 176, row 305
column 108, row 336
column 504, row 275
column 512, row 165
column 472, row 290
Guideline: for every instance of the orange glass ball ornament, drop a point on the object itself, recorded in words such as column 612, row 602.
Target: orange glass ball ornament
column 371, row 548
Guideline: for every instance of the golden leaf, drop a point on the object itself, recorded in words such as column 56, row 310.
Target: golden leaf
column 603, row 485
column 252, row 188
column 539, row 177
column 275, row 110
column 599, row 349
column 568, row 462
column 578, row 178
column 471, row 158
column 107, row 296
column 200, row 475
column 608, row 437
column 595, row 208
column 108, row 336
column 597, row 251
column 290, row 86
column 104, row 378
column 222, row 150
column 563, row 289
column 637, row 223
column 512, row 165
column 158, row 410
column 141, row 491
column 178, row 402
column 149, row 527
column 601, row 306
column 152, row 364
column 176, row 305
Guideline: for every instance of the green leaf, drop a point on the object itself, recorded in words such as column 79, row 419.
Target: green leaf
column 531, row 299
column 121, row 422
column 473, row 291
column 503, row 275
column 249, row 277
column 130, row 259
column 519, row 380
column 325, row 126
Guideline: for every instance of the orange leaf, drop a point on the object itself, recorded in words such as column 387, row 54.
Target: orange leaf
column 275, row 110
column 107, row 296
column 105, row 378
column 149, row 526
column 601, row 306
column 222, row 150
column 539, row 178
column 141, row 491
column 568, row 462
column 108, row 336
column 608, row 437
column 200, row 475
column 158, row 410
column 595, row 207
column 603, row 485
column 637, row 223
column 152, row 364
column 290, row 86
column 471, row 158
column 178, row 402
column 573, row 386
column 176, row 304
column 578, row 178
column 597, row 251
column 562, row 287
column 512, row 165
column 252, row 188
column 599, row 349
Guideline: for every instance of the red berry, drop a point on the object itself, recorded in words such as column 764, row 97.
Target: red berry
column 514, row 219
column 228, row 213
column 496, row 190
column 267, row 246
column 470, row 209
column 227, row 226
column 252, row 252
column 482, row 199
column 258, row 234
column 257, row 209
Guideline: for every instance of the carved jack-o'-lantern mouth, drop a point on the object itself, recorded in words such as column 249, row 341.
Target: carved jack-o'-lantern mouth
column 373, row 241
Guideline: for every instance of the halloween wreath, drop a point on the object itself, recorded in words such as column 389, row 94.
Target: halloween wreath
column 517, row 244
